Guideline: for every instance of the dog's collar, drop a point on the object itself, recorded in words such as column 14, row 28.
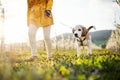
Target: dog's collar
column 81, row 40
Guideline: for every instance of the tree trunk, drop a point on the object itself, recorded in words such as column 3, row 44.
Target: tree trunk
column 1, row 27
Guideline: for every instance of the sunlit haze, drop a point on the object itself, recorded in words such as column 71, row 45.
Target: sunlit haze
column 100, row 13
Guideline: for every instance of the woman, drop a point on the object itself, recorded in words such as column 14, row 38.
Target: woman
column 39, row 15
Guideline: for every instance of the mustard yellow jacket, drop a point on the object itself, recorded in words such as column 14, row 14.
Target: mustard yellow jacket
column 36, row 12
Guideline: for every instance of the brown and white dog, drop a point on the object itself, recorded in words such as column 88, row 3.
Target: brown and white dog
column 82, row 38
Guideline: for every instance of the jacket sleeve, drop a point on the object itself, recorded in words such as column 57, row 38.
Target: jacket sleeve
column 49, row 4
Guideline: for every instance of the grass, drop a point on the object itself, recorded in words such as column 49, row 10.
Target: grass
column 64, row 65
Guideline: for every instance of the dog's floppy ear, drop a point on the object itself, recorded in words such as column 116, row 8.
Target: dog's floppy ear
column 84, row 31
column 73, row 30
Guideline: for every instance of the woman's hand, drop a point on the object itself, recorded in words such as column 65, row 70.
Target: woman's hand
column 47, row 12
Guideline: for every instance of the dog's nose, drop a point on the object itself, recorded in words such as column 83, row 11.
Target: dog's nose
column 76, row 35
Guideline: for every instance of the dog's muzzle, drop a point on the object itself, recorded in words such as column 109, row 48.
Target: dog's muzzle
column 76, row 35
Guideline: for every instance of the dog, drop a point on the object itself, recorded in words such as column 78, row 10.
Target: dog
column 82, row 38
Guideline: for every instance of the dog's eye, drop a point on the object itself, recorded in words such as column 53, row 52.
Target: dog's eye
column 79, row 29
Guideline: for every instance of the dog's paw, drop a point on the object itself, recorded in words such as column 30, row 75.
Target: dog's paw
column 90, row 54
column 78, row 55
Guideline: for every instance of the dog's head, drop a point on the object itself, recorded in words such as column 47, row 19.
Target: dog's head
column 79, row 31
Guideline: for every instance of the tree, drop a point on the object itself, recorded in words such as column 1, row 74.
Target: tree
column 1, row 27
column 117, row 26
column 118, row 2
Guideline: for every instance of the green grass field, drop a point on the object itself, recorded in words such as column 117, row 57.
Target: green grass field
column 64, row 65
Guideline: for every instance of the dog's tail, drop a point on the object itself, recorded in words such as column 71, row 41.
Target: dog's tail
column 91, row 27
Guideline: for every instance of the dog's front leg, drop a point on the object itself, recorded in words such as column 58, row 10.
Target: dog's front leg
column 78, row 49
column 84, row 51
column 90, row 46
